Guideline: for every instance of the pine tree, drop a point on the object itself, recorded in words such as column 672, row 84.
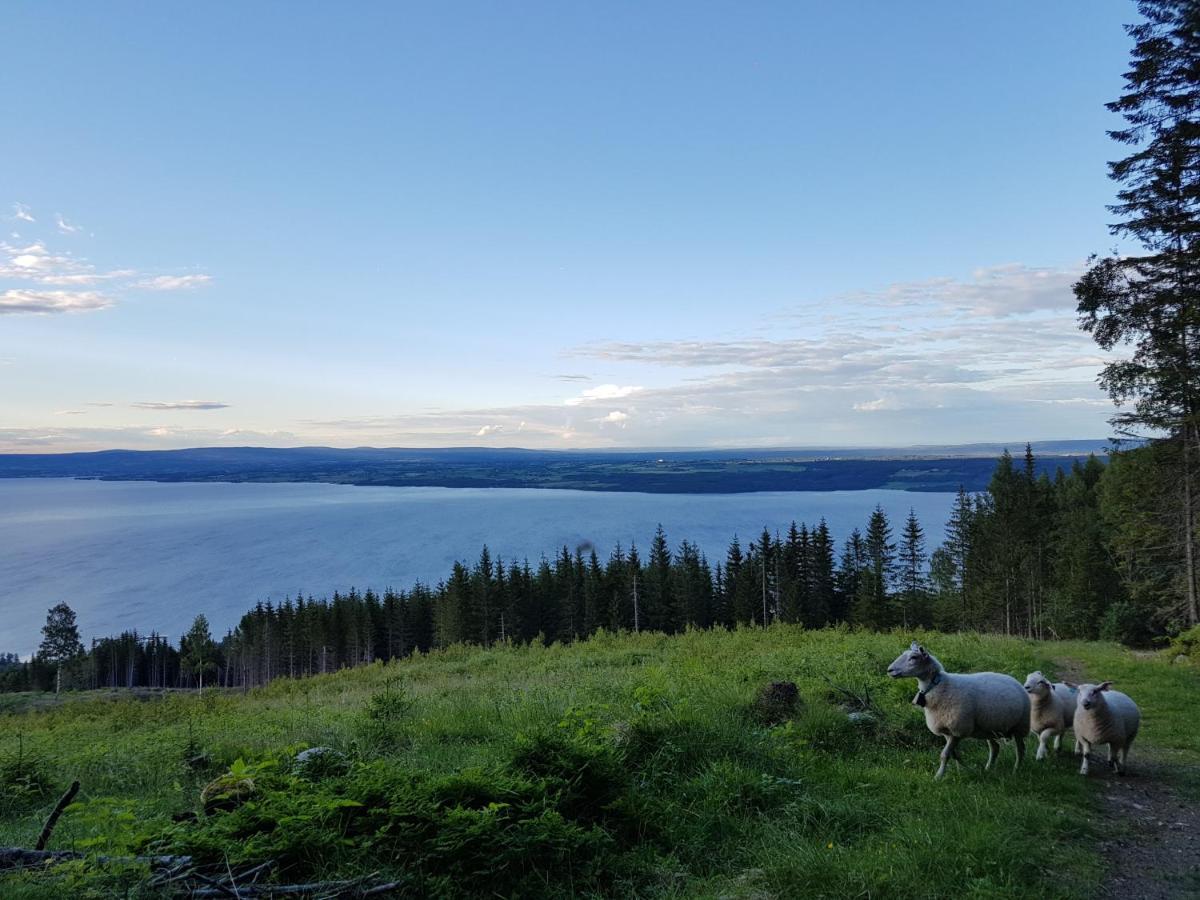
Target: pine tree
column 875, row 580
column 912, row 595
column 659, row 607
column 1151, row 299
column 823, row 604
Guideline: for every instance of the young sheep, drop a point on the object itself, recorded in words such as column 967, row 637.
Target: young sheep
column 982, row 704
column 1104, row 716
column 1051, row 710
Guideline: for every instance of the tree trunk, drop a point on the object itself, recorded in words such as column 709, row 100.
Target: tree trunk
column 1189, row 527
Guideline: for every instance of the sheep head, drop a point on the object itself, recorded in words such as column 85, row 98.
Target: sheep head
column 915, row 662
column 1092, row 695
column 1038, row 685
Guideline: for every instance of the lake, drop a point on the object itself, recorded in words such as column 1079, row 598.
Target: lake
column 141, row 554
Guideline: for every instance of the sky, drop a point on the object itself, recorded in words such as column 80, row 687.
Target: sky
column 559, row 225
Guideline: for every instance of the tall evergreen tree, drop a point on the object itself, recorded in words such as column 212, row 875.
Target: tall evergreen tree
column 912, row 595
column 875, row 580
column 1151, row 300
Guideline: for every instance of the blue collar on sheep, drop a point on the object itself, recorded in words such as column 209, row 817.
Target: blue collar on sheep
column 919, row 700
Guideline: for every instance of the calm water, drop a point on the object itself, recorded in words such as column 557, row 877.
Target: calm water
column 151, row 556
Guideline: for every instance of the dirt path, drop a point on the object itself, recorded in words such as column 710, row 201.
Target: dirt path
column 1155, row 854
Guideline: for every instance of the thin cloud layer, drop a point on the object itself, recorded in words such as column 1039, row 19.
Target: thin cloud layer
column 918, row 361
column 181, row 404
column 173, row 282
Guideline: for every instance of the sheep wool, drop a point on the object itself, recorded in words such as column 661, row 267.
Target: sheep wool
column 1105, row 716
column 1051, row 710
column 987, row 705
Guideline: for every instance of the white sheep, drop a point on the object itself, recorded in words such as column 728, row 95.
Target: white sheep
column 1051, row 710
column 1104, row 716
column 985, row 705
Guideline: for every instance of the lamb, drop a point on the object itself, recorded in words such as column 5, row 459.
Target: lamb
column 1104, row 716
column 1051, row 711
column 985, row 705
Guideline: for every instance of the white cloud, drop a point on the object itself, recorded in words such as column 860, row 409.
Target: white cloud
column 616, row 417
column 173, row 282
column 31, row 266
column 485, row 430
column 15, row 302
column 604, row 392
column 181, row 404
column 22, row 212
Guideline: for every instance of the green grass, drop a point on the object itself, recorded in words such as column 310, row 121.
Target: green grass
column 464, row 773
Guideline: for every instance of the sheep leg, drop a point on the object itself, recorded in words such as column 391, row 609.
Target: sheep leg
column 1087, row 748
column 1019, row 745
column 951, row 749
column 1121, row 754
column 993, row 752
column 1042, row 738
column 1112, row 756
column 1058, row 742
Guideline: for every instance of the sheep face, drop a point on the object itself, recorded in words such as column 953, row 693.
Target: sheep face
column 1037, row 685
column 915, row 662
column 1092, row 695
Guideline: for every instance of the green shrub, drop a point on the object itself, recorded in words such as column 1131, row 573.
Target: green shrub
column 24, row 780
column 1186, row 643
column 1124, row 623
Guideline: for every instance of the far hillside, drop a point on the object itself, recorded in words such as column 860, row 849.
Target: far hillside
column 932, row 468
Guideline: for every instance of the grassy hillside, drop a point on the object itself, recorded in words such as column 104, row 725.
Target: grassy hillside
column 627, row 765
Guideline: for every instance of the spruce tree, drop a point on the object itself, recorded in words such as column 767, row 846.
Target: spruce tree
column 912, row 595
column 1149, row 299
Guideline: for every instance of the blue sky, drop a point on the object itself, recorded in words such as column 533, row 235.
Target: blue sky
column 551, row 224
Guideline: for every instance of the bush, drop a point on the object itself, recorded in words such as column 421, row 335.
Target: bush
column 1125, row 623
column 23, row 778
column 1187, row 643
column 554, row 815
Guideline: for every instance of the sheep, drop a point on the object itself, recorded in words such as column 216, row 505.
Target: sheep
column 1051, row 711
column 1104, row 716
column 985, row 705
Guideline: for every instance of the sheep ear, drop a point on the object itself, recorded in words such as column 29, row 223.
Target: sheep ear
column 922, row 651
column 914, row 646
column 1104, row 687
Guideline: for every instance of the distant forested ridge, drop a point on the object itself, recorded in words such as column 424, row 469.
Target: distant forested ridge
column 678, row 471
column 1034, row 554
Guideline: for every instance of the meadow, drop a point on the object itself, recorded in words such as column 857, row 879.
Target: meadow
column 625, row 765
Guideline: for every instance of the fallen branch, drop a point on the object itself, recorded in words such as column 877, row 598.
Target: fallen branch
column 63, row 802
column 354, row 888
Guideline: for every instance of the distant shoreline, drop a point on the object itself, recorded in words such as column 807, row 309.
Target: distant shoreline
column 653, row 472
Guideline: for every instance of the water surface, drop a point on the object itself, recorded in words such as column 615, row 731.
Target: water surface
column 151, row 556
